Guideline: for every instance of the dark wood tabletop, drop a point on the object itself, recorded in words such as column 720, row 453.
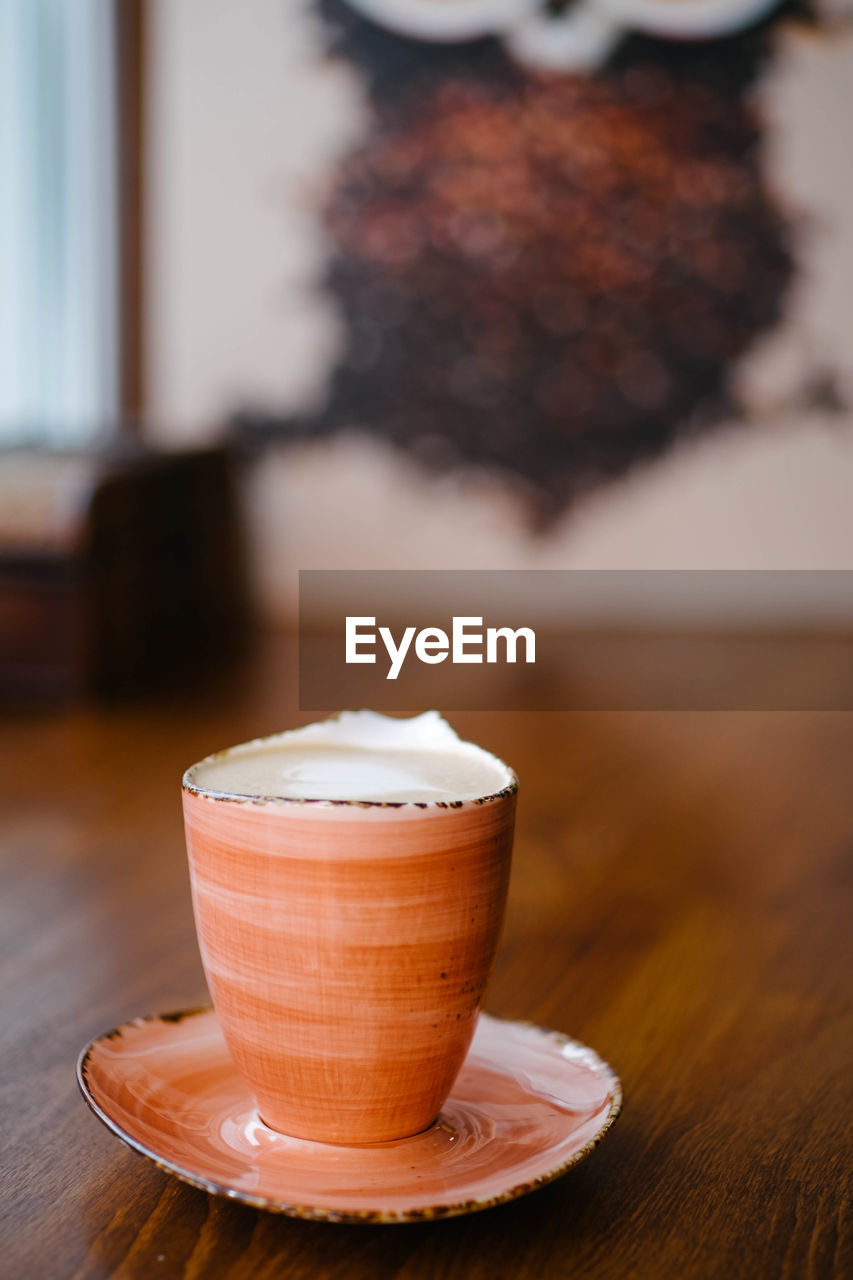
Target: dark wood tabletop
column 680, row 901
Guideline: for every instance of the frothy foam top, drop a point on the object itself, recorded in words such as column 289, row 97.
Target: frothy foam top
column 360, row 756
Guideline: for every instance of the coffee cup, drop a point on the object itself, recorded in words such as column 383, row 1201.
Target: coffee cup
column 349, row 881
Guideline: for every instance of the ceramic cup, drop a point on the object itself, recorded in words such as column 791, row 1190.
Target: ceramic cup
column 347, row 947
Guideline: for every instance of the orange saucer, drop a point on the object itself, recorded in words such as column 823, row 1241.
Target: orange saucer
column 527, row 1105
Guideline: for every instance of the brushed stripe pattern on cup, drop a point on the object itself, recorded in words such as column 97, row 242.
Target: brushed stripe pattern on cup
column 347, row 950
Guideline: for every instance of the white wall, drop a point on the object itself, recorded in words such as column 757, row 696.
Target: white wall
column 245, row 128
column 244, row 124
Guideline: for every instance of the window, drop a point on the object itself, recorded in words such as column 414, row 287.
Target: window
column 58, row 222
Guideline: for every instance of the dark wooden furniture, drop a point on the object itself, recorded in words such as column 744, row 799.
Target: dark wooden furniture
column 116, row 563
column 680, row 900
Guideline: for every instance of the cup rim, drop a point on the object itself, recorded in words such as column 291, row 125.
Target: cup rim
column 237, row 797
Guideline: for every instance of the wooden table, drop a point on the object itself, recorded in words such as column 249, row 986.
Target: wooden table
column 680, row 900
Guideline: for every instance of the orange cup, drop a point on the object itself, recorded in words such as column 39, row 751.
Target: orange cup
column 347, row 946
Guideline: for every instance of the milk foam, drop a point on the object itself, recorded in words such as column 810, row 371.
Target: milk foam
column 358, row 756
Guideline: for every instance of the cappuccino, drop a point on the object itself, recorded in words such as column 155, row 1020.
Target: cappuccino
column 347, row 943
column 360, row 756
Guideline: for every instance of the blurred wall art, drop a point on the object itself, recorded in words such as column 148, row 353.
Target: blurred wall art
column 543, row 272
column 482, row 287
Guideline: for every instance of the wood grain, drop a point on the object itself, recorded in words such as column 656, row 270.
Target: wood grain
column 680, row 900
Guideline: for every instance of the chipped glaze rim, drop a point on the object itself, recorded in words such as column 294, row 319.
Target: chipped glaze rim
column 288, row 802
column 316, row 1213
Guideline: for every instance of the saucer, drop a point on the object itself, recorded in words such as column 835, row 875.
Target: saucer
column 527, row 1105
